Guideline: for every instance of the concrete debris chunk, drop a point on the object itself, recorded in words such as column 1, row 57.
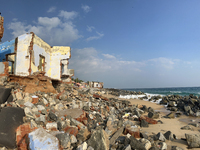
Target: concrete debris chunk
column 41, row 140
column 64, row 140
column 11, row 118
column 99, row 140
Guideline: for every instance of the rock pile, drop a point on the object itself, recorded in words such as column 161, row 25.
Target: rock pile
column 118, row 92
column 75, row 118
column 189, row 105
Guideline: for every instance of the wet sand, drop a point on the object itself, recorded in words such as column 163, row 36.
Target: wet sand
column 172, row 125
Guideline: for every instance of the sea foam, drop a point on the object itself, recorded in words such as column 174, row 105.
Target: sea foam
column 138, row 96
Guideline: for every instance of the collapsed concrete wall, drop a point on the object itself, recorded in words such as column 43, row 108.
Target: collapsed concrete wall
column 28, row 54
column 1, row 27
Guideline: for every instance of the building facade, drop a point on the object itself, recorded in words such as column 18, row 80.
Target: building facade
column 96, row 84
column 28, row 54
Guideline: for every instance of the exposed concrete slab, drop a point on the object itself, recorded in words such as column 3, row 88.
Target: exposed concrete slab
column 74, row 113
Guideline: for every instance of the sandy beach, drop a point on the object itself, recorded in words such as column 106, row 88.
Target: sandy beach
column 173, row 125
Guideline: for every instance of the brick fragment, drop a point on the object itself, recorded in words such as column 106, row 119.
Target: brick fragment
column 149, row 120
column 22, row 135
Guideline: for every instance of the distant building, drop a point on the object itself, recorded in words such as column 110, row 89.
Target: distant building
column 96, row 84
column 28, row 54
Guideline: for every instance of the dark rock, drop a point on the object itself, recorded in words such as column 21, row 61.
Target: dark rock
column 168, row 135
column 4, row 94
column 176, row 148
column 187, row 128
column 126, row 141
column 135, row 144
column 171, row 104
column 99, row 140
column 116, row 135
column 64, row 140
column 173, row 109
column 178, row 114
column 10, row 98
column 174, row 136
column 154, row 148
column 144, row 123
column 150, row 109
column 86, row 108
column 120, row 146
column 52, row 117
column 161, row 137
column 83, row 134
column 11, row 118
column 170, row 115
column 144, row 108
column 153, row 115
column 143, row 135
column 194, row 124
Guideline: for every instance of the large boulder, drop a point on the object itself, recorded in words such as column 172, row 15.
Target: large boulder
column 99, row 140
column 41, row 140
column 5, row 94
column 11, row 118
column 135, row 144
column 193, row 140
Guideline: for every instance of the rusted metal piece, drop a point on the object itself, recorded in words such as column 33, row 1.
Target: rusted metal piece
column 135, row 133
column 147, row 119
column 6, row 69
column 30, row 51
column 99, row 96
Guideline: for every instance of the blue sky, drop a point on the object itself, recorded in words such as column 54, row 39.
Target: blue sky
column 123, row 43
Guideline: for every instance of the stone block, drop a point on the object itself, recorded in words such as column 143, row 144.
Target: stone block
column 22, row 135
column 41, row 140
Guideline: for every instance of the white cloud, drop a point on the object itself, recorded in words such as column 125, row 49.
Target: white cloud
column 86, row 8
column 51, row 9
column 90, row 28
column 164, row 62
column 109, row 56
column 87, row 61
column 55, row 30
column 49, row 22
column 68, row 15
column 89, row 64
column 99, row 35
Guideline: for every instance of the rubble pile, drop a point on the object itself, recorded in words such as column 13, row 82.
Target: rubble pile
column 73, row 118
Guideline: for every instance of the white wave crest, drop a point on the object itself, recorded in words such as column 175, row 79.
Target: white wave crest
column 146, row 94
column 131, row 96
column 175, row 91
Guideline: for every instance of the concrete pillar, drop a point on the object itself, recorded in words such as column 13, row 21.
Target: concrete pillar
column 65, row 70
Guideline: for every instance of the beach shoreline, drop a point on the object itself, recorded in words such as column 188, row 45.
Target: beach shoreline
column 173, row 125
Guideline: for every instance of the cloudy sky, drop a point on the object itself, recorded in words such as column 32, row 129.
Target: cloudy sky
column 123, row 43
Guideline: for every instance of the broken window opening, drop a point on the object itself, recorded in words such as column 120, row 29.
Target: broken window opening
column 41, row 66
column 64, row 68
column 12, row 65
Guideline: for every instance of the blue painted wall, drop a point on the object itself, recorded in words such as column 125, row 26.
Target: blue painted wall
column 6, row 48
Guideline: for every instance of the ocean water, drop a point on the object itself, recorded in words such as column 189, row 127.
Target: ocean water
column 182, row 91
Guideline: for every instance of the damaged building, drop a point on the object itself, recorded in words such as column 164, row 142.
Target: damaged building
column 29, row 55
column 95, row 84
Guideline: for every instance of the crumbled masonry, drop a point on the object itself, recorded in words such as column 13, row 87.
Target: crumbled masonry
column 77, row 118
